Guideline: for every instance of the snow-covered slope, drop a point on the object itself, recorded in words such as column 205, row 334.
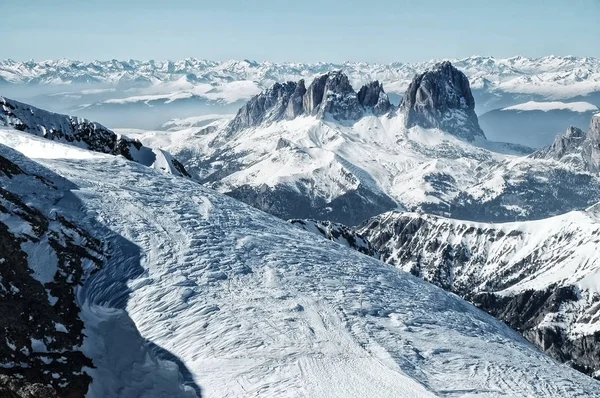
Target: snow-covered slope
column 84, row 134
column 253, row 306
column 536, row 124
column 54, row 341
column 541, row 277
column 288, row 156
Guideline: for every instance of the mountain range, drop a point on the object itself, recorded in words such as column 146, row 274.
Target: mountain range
column 138, row 277
column 145, row 94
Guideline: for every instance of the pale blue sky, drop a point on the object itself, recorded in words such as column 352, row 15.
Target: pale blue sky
column 297, row 30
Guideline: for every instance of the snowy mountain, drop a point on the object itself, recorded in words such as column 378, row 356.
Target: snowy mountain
column 576, row 148
column 540, row 277
column 110, row 90
column 536, row 124
column 84, row 134
column 320, row 153
column 249, row 305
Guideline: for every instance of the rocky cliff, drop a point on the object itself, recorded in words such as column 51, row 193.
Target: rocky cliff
column 441, row 98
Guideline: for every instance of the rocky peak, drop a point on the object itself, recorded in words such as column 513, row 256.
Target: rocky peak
column 576, row 148
column 441, row 98
column 592, row 145
column 338, row 98
column 295, row 105
column 568, row 144
column 329, row 95
column 268, row 106
column 372, row 96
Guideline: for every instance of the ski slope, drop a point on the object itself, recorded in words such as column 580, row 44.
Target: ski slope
column 254, row 306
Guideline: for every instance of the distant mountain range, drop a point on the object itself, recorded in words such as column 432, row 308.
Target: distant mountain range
column 147, row 93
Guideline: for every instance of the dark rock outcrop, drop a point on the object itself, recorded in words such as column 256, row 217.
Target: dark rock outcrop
column 576, row 148
column 76, row 131
column 43, row 258
column 268, row 106
column 338, row 98
column 441, row 98
column 339, row 233
column 329, row 95
column 295, row 104
column 591, row 146
column 372, row 96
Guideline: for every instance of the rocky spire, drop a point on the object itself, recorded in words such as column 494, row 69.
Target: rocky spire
column 591, row 146
column 332, row 94
column 268, row 106
column 295, row 105
column 371, row 96
column 329, row 95
column 441, row 98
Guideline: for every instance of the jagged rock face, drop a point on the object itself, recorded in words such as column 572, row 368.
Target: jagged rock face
column 567, row 148
column 56, row 127
column 81, row 133
column 372, row 96
column 592, row 145
column 338, row 98
column 295, row 106
column 329, row 95
column 268, row 106
column 43, row 259
column 488, row 264
column 576, row 148
column 338, row 233
column 441, row 98
column 314, row 94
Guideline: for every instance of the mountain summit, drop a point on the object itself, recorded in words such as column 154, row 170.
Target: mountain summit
column 576, row 148
column 441, row 98
column 329, row 95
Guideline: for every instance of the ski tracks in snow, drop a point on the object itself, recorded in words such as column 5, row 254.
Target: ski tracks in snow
column 256, row 307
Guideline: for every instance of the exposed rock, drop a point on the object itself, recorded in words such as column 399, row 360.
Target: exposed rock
column 78, row 132
column 329, row 95
column 567, row 148
column 339, row 233
column 266, row 107
column 591, row 148
column 576, row 148
column 314, row 94
column 295, row 106
column 372, row 96
column 42, row 260
column 441, row 98
column 485, row 263
column 338, row 99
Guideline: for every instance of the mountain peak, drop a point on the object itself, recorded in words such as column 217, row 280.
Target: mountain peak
column 372, row 95
column 441, row 98
column 329, row 95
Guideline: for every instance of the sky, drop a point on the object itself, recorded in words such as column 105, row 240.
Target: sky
column 297, row 30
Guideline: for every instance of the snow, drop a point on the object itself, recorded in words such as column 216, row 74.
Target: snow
column 220, row 287
column 554, row 105
column 330, row 159
column 43, row 260
column 552, row 76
